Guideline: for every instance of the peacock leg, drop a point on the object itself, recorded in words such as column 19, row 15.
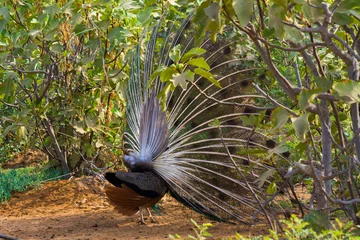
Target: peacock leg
column 151, row 216
column 141, row 216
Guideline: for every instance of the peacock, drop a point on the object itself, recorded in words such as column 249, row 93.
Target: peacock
column 186, row 136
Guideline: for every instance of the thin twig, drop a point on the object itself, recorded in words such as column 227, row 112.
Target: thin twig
column 245, row 181
column 273, row 100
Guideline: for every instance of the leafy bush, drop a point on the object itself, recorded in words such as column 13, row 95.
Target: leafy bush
column 21, row 179
column 200, row 230
column 8, row 148
column 294, row 229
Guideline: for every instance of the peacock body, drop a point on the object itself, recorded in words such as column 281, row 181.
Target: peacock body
column 192, row 143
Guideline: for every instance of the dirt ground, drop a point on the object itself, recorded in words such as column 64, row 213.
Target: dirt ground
column 77, row 209
column 28, row 158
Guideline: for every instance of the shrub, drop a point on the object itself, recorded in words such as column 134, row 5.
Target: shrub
column 294, row 229
column 21, row 179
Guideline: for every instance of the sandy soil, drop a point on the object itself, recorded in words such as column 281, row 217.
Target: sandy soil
column 77, row 209
column 28, row 158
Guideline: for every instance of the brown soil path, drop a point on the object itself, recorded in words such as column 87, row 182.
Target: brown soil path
column 77, row 209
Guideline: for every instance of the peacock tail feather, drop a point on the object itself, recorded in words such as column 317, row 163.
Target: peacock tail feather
column 192, row 135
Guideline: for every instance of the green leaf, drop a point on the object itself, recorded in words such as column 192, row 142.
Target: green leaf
column 79, row 129
column 271, row 189
column 260, row 117
column 34, row 32
column 2, row 27
column 174, row 3
column 279, row 116
column 307, row 96
column 317, row 219
column 345, row 6
column 268, row 32
column 155, row 74
column 103, row 24
column 167, row 74
column 68, row 4
column 324, row 84
column 195, row 223
column 293, row 34
column 164, row 93
column 74, row 159
column 91, row 119
column 208, row 76
column 276, row 15
column 5, row 13
column 99, row 144
column 243, row 10
column 145, row 15
column 213, row 12
column 194, row 52
column 215, row 123
column 264, row 176
column 301, row 126
column 206, row 234
column 252, row 120
column 13, row 127
column 52, row 10
column 248, row 120
column 214, row 28
column 47, row 141
column 342, row 18
column 57, row 48
column 85, row 59
column 8, row 87
column 282, row 3
column 175, row 53
column 313, row 14
column 98, row 65
column 199, row 62
column 202, row 21
column 76, row 18
column 181, row 79
column 355, row 13
column 348, row 90
column 81, row 29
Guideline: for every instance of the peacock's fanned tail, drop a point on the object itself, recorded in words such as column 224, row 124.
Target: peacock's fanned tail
column 194, row 156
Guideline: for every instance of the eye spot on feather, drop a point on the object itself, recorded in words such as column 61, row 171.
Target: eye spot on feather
column 187, row 25
column 227, row 50
column 232, row 150
column 262, row 77
column 286, row 154
column 270, row 143
column 249, row 110
column 244, row 83
column 232, row 122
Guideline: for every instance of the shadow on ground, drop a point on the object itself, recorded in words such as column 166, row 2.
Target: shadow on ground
column 77, row 209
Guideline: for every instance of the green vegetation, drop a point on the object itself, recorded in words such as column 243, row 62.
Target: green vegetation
column 8, row 148
column 64, row 67
column 21, row 179
column 294, row 229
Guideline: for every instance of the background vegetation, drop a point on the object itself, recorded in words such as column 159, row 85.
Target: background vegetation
column 64, row 66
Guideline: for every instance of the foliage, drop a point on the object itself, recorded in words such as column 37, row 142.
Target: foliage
column 201, row 232
column 294, row 229
column 21, row 179
column 65, row 65
column 8, row 148
column 311, row 52
column 63, row 71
